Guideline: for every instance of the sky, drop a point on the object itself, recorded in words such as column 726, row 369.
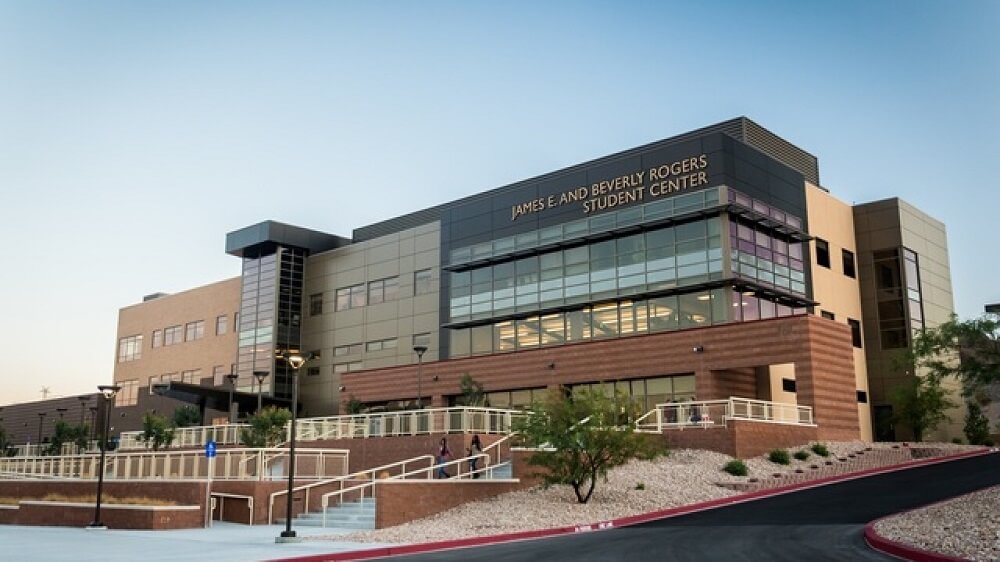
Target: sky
column 135, row 135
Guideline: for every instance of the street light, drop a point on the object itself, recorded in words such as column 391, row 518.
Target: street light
column 83, row 406
column 420, row 349
column 231, row 377
column 109, row 392
column 295, row 361
column 260, row 376
column 93, row 422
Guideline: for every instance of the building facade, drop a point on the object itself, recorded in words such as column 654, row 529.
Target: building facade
column 707, row 265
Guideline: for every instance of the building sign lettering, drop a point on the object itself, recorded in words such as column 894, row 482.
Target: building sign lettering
column 657, row 181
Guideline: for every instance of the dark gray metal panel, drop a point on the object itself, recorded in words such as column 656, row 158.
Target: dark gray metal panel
column 273, row 233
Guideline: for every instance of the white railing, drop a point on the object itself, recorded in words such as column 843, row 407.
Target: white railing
column 709, row 414
column 409, row 422
column 195, row 436
column 367, row 477
column 229, row 464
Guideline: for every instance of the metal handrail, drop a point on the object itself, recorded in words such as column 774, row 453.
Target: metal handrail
column 341, row 479
column 462, row 419
column 708, row 414
column 192, row 436
column 230, row 464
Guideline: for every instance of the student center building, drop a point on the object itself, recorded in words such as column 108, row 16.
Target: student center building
column 707, row 265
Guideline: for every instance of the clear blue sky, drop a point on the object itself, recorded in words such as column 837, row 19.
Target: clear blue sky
column 134, row 135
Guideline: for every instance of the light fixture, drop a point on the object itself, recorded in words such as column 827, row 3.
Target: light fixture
column 704, row 297
column 698, row 348
column 109, row 392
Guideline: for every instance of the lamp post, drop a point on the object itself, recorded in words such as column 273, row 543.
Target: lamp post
column 420, row 349
column 295, row 361
column 109, row 392
column 93, row 422
column 231, row 377
column 260, row 376
column 41, row 418
column 83, row 407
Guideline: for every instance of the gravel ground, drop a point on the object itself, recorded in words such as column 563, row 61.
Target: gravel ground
column 967, row 527
column 684, row 477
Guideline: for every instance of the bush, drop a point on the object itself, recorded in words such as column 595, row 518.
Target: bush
column 956, row 440
column 779, row 456
column 801, row 454
column 640, row 486
column 977, row 425
column 736, row 467
column 820, row 449
column 267, row 427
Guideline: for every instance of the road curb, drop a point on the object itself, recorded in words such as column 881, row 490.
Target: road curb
column 381, row 552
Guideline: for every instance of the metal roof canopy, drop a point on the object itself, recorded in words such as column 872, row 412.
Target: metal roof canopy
column 215, row 398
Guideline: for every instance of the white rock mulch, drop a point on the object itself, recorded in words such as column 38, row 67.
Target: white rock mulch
column 684, row 477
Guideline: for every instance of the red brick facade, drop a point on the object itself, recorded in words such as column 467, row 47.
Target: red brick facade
column 821, row 351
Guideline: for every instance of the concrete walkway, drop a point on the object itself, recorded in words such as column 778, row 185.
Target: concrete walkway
column 224, row 542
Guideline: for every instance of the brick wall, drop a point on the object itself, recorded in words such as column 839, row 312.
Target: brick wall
column 399, row 502
column 820, row 350
column 114, row 517
column 741, row 439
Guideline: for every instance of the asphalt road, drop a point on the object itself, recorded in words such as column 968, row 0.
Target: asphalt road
column 823, row 523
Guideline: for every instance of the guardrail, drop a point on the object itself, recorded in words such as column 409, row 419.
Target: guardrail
column 709, row 414
column 229, row 464
column 369, row 475
column 196, row 436
column 409, row 422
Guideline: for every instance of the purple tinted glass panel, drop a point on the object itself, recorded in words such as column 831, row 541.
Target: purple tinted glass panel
column 796, row 265
column 780, row 259
column 763, row 240
column 760, row 207
column 746, row 247
column 764, row 253
column 794, row 222
column 751, row 308
column 778, row 215
column 783, row 310
column 766, row 309
column 742, row 199
column 733, row 228
column 795, row 250
column 745, row 232
column 780, row 246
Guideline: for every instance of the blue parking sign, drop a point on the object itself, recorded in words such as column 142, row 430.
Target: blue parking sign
column 210, row 449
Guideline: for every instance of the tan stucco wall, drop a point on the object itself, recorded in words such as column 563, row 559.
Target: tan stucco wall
column 833, row 220
column 201, row 303
column 399, row 254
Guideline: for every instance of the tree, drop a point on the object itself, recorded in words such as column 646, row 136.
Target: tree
column 354, row 406
column 920, row 403
column 67, row 433
column 580, row 440
column 157, row 431
column 267, row 427
column 976, row 342
column 4, row 442
column 472, row 391
column 187, row 416
column 977, row 425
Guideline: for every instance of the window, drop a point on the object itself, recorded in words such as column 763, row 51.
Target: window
column 848, row 257
column 172, row 335
column 788, row 385
column 315, row 353
column 421, row 339
column 312, row 371
column 219, row 374
column 351, row 297
column 316, row 304
column 855, row 332
column 346, row 367
column 422, row 282
column 128, row 395
column 222, row 324
column 383, row 290
column 130, row 348
column 381, row 345
column 349, row 349
column 827, row 315
column 157, row 338
column 192, row 376
column 822, row 253
column 194, row 330
column 862, row 397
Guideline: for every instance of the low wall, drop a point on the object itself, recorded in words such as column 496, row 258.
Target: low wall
column 402, row 501
column 63, row 514
column 741, row 439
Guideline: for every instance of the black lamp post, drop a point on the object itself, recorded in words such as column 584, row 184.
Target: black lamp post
column 83, row 407
column 93, row 422
column 294, row 361
column 260, row 376
column 231, row 377
column 420, row 349
column 109, row 392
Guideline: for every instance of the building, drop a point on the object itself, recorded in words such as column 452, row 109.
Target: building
column 706, row 265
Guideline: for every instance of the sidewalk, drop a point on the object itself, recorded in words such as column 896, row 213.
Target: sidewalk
column 224, row 542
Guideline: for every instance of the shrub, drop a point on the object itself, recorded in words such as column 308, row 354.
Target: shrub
column 736, row 467
column 956, row 440
column 801, row 454
column 779, row 456
column 820, row 449
column 640, row 486
column 267, row 427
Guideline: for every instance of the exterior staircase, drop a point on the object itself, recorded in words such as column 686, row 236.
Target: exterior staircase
column 501, row 471
column 348, row 515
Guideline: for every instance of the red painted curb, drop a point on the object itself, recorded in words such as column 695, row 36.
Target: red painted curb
column 900, row 550
column 625, row 521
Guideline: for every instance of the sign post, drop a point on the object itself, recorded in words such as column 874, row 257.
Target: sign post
column 210, row 455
